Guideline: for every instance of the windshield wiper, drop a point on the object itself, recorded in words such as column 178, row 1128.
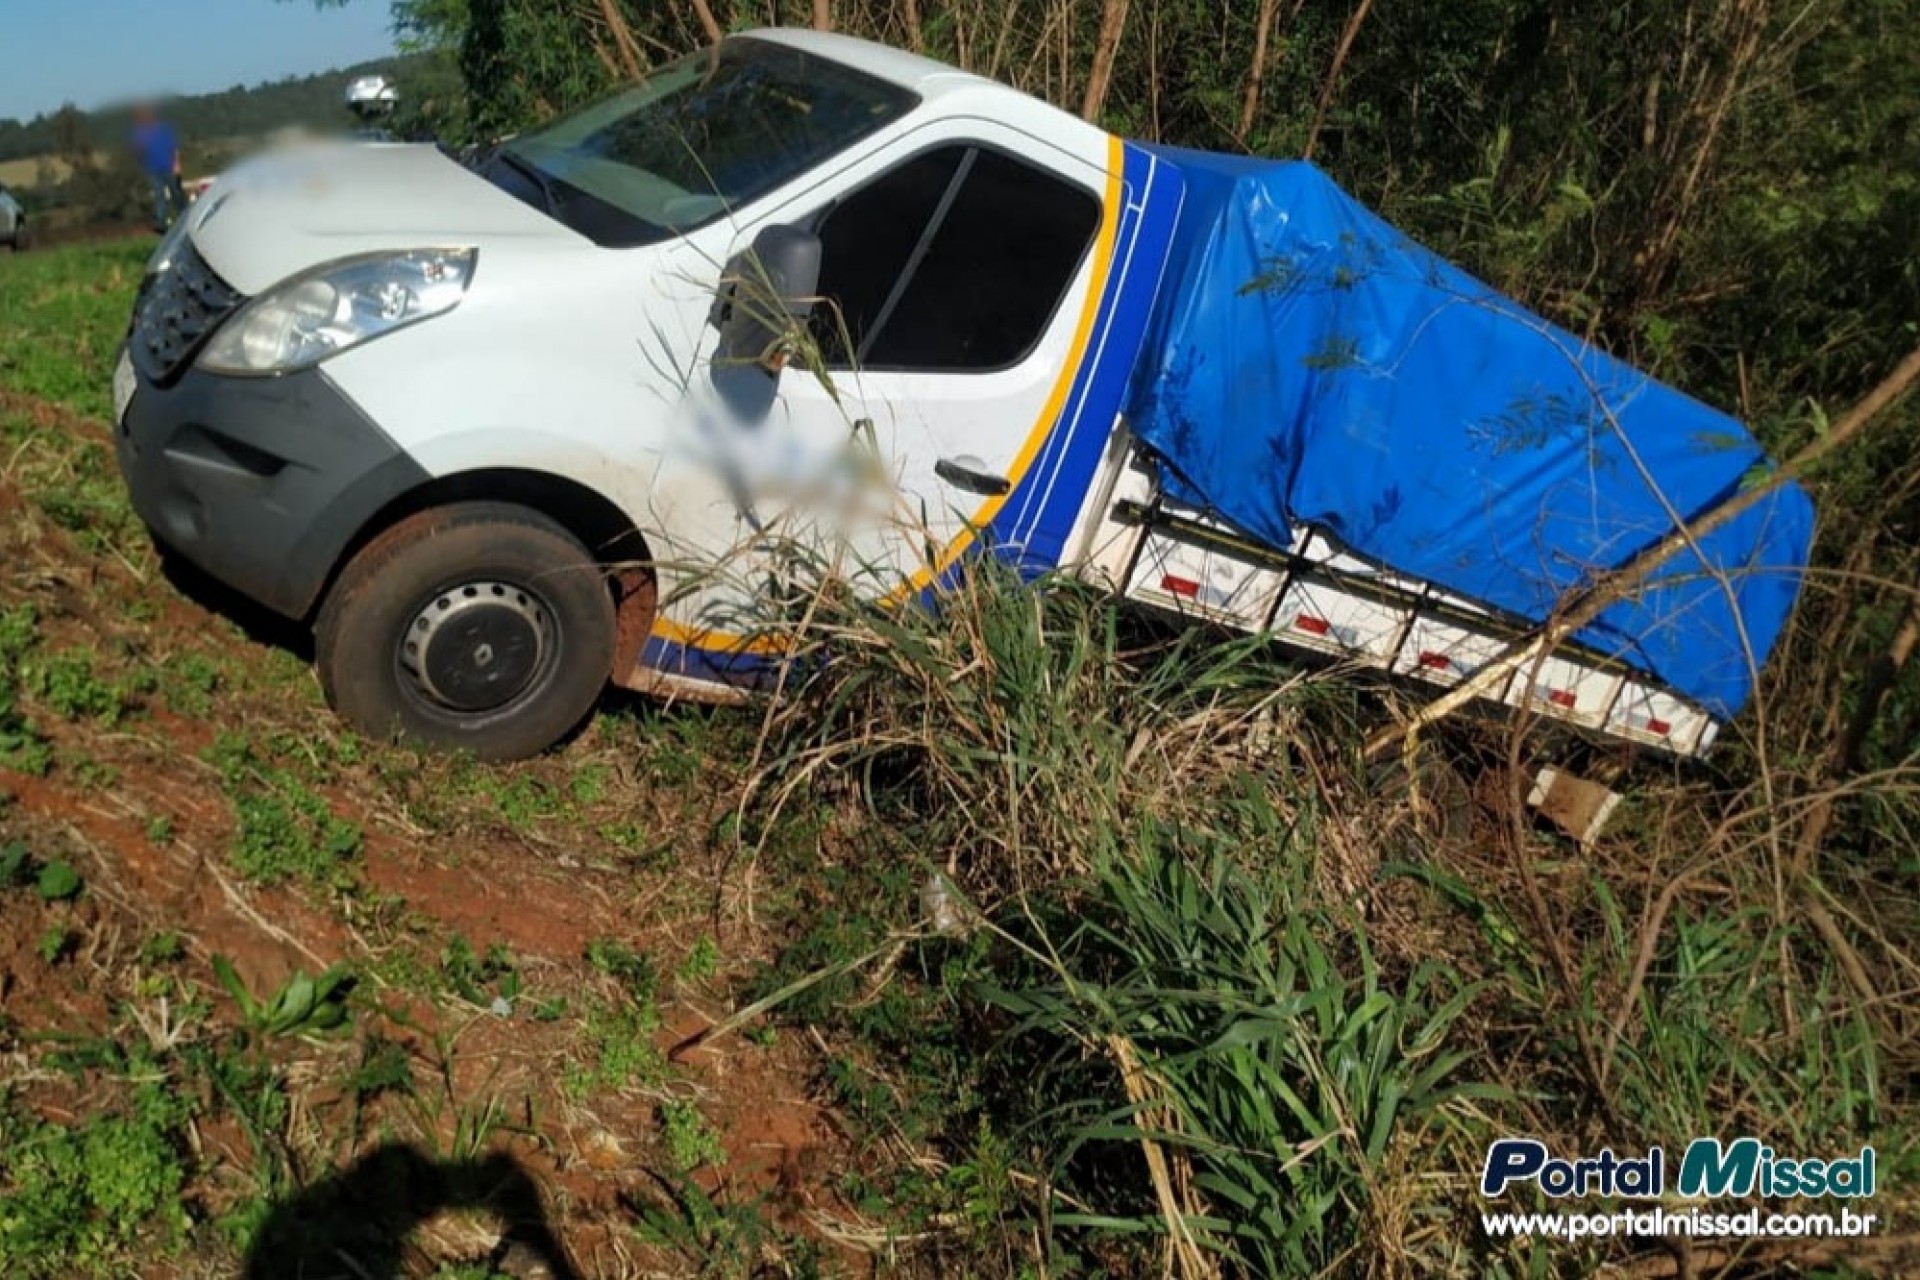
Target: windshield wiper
column 549, row 196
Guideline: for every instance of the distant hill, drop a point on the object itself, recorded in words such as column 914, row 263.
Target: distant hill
column 240, row 112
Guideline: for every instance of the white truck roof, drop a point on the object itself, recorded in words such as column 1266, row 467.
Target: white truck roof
column 935, row 82
column 896, row 66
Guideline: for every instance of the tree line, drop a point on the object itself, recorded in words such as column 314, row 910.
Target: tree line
column 86, row 174
column 312, row 102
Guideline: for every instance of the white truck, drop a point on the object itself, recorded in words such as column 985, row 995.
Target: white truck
column 502, row 426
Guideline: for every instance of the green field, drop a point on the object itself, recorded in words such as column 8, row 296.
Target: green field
column 21, row 174
column 272, row 995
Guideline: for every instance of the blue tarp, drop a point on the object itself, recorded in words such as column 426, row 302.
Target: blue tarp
column 1308, row 364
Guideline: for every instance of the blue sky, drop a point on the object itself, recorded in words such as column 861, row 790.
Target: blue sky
column 97, row 51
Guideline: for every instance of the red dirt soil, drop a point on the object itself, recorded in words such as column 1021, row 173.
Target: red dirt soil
column 149, row 828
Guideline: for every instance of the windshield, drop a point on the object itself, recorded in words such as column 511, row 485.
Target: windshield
column 699, row 137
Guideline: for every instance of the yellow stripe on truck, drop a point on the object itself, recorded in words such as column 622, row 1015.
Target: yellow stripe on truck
column 1050, row 414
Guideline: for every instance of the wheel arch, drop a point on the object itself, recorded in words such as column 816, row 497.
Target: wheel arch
column 607, row 532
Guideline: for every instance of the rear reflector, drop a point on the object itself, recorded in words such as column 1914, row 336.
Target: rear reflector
column 1562, row 698
column 1436, row 661
column 1658, row 728
column 1312, row 626
column 1180, row 586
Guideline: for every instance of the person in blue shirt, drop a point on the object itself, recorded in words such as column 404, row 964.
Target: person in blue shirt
column 158, row 151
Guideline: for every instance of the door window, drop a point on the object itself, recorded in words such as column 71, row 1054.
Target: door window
column 953, row 261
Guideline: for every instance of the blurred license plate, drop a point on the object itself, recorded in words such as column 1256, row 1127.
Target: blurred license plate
column 124, row 383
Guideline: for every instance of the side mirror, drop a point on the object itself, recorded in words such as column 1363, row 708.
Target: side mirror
column 765, row 296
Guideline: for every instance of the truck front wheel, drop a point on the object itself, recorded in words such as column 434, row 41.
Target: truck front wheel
column 480, row 627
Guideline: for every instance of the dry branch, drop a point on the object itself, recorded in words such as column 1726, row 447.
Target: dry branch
column 1113, row 24
column 1340, row 52
column 708, row 23
column 1733, row 53
column 1845, row 756
column 628, row 49
column 1257, row 69
column 1881, row 677
column 1172, row 1179
column 1250, row 102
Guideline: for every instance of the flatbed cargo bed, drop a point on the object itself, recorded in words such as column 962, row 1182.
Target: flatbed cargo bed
column 1318, row 599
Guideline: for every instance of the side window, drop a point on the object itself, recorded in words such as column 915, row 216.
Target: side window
column 866, row 242
column 954, row 260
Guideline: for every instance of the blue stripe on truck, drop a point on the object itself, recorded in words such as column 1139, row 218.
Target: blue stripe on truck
column 1039, row 515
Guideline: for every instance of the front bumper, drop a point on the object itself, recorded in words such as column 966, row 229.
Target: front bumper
column 261, row 482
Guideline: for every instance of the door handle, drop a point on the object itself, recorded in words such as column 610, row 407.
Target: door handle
column 972, row 475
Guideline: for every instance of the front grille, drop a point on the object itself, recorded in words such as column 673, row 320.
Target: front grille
column 177, row 312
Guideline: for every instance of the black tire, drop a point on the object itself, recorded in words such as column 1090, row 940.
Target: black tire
column 480, row 627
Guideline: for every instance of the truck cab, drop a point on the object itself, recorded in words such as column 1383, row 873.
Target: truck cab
column 507, row 425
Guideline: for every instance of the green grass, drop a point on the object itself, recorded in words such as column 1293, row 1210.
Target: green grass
column 74, row 696
column 302, row 1006
column 480, row 979
column 92, row 1199
column 69, row 683
column 22, row 748
column 287, row 830
column 634, row 971
column 1171, row 940
column 63, row 314
column 691, row 1142
column 621, row 1051
column 189, row 681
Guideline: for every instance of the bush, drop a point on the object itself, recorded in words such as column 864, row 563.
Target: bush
column 1190, row 1036
column 1269, row 1071
column 1210, row 997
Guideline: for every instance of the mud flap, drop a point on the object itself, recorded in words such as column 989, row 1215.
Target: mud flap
column 1574, row 804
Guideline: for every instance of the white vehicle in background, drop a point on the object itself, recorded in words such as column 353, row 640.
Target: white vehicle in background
column 13, row 222
column 498, row 426
column 373, row 101
column 372, row 97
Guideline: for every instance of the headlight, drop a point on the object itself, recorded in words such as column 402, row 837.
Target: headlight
column 302, row 321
